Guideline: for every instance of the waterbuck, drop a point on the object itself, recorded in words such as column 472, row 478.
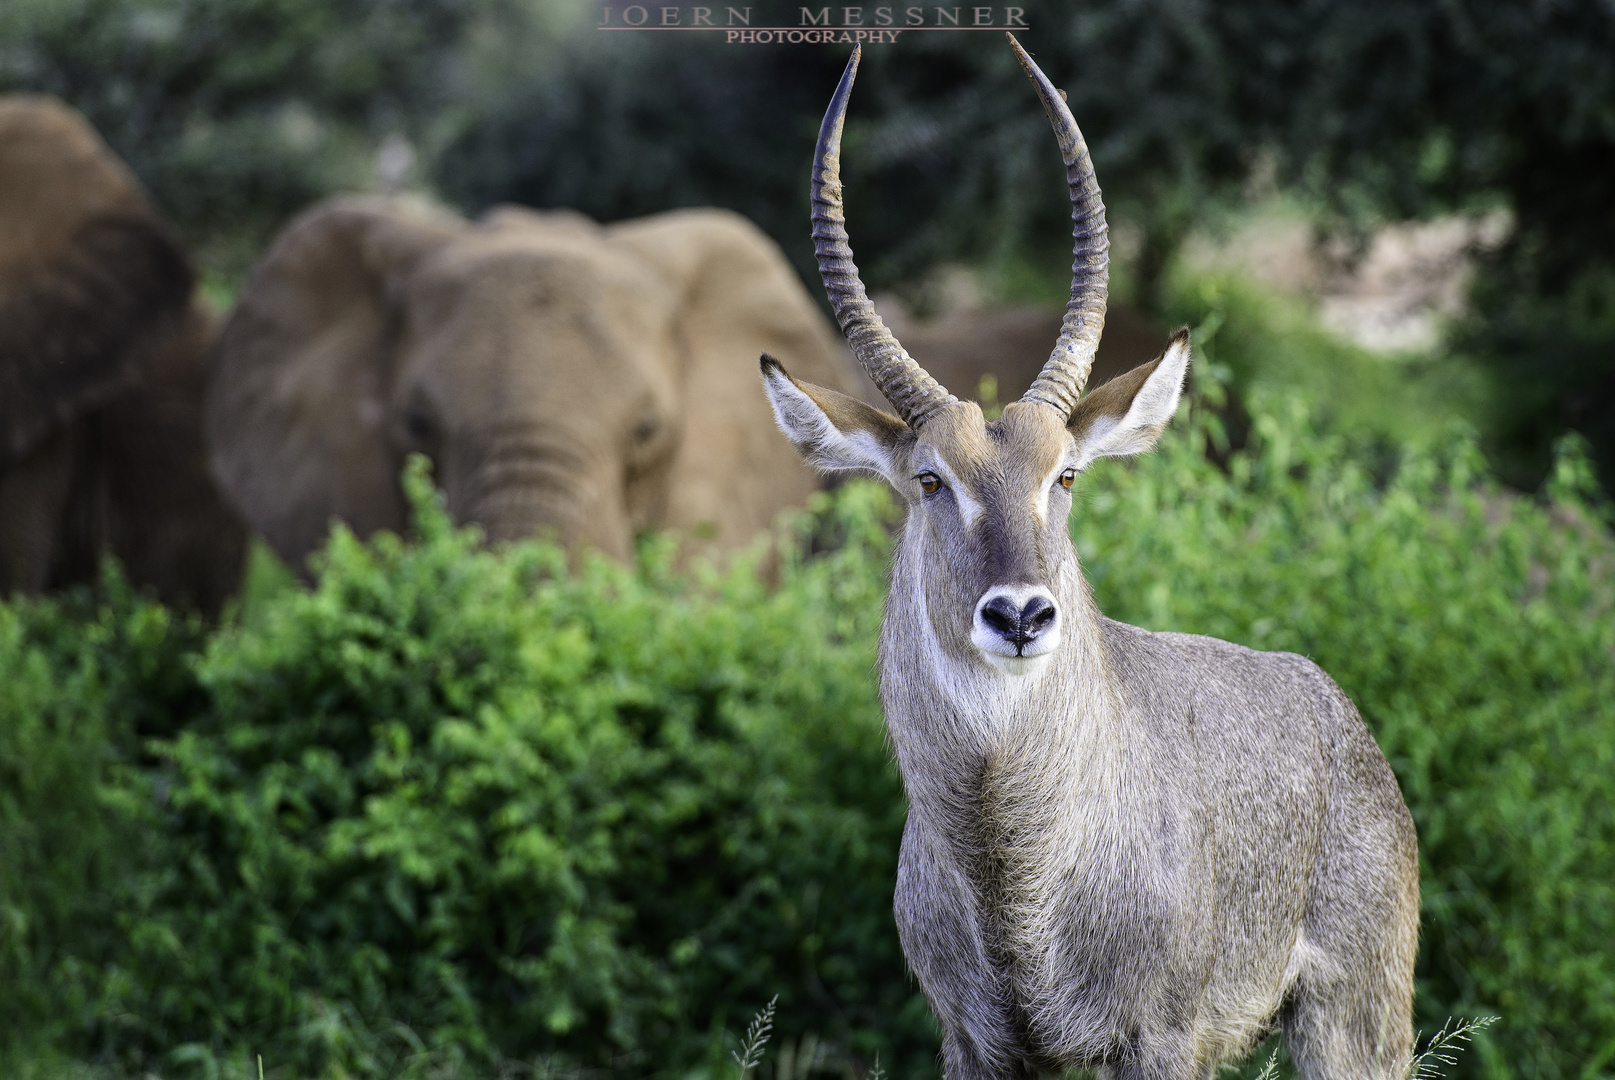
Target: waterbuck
column 1125, row 851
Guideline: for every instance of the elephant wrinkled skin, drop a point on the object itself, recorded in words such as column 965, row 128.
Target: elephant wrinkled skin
column 566, row 378
column 102, row 343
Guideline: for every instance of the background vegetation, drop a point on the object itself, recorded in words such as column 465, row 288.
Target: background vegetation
column 460, row 812
column 239, row 112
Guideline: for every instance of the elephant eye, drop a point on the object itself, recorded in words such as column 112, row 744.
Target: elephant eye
column 1068, row 478
column 420, row 426
column 647, row 428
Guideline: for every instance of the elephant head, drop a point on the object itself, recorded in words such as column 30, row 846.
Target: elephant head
column 565, row 378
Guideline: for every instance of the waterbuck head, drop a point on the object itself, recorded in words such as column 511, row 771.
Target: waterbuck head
column 986, row 555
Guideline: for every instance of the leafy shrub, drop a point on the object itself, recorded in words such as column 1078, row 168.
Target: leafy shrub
column 81, row 682
column 1271, row 342
column 466, row 802
column 1550, row 355
column 460, row 798
column 236, row 115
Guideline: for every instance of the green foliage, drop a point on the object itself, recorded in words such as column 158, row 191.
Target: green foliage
column 1266, row 342
column 455, row 798
column 947, row 154
column 82, row 681
column 1443, row 1047
column 1551, row 358
column 453, row 807
column 236, row 114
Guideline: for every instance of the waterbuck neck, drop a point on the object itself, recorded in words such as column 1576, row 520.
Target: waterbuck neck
column 1029, row 779
column 956, row 716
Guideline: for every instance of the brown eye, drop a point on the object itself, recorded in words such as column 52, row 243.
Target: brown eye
column 930, row 483
column 1068, row 478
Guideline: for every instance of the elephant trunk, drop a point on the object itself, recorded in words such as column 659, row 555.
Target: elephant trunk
column 527, row 487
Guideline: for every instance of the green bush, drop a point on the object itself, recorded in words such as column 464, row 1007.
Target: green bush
column 1549, row 353
column 455, row 799
column 1267, row 341
column 236, row 115
column 81, row 683
column 459, row 805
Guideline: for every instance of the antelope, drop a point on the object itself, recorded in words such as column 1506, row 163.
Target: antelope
column 1126, row 851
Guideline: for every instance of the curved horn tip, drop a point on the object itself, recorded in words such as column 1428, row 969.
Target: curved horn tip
column 1059, row 115
column 1020, row 53
column 836, row 114
column 1061, row 381
column 852, row 65
column 1029, row 66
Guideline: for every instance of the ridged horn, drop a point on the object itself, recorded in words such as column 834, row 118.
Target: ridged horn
column 1061, row 381
column 912, row 392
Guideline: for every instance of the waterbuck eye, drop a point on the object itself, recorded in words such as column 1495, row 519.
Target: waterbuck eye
column 1068, row 478
column 930, row 482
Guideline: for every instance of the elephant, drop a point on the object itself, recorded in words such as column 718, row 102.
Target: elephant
column 102, row 351
column 566, row 378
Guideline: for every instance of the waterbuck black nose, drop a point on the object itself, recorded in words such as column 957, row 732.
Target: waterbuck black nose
column 1017, row 623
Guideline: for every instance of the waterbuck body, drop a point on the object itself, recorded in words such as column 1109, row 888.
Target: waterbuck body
column 1127, row 851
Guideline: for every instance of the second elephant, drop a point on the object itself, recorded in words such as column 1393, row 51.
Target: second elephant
column 102, row 346
column 566, row 378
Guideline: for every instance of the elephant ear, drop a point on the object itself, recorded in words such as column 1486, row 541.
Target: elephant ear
column 741, row 298
column 88, row 274
column 297, row 413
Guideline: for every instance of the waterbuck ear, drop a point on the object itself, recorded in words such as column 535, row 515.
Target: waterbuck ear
column 833, row 431
column 1127, row 414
